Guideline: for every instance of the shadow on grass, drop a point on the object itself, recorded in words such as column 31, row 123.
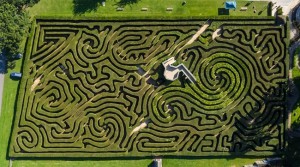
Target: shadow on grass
column 14, row 115
column 83, row 6
column 227, row 157
column 15, row 102
column 151, row 164
column 248, row 3
column 3, row 64
column 123, row 3
column 293, row 152
column 223, row 11
column 296, row 124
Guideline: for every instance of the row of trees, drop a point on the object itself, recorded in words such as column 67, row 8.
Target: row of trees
column 14, row 23
column 21, row 3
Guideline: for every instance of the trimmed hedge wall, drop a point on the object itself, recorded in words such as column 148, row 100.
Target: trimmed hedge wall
column 94, row 87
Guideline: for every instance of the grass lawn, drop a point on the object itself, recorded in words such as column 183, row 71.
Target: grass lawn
column 9, row 95
column 155, row 8
column 8, row 103
column 92, row 8
column 137, row 163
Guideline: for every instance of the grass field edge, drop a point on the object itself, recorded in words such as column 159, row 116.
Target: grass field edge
column 166, row 17
column 21, row 89
column 141, row 155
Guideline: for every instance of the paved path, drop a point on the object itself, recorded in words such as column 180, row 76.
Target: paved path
column 287, row 7
column 285, row 4
column 288, row 10
column 1, row 90
column 10, row 162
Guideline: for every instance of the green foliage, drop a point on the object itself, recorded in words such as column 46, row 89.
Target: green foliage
column 296, row 78
column 13, row 27
column 123, row 3
column 21, row 3
column 297, row 52
column 279, row 11
column 82, row 89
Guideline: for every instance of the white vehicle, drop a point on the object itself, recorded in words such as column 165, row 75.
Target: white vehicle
column 268, row 162
column 261, row 163
column 250, row 165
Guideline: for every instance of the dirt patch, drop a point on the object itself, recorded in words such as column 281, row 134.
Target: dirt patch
column 35, row 83
column 140, row 127
column 217, row 33
column 199, row 32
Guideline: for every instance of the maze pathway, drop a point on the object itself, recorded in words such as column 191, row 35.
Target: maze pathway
column 83, row 95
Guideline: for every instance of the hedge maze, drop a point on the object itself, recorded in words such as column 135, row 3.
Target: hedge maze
column 95, row 88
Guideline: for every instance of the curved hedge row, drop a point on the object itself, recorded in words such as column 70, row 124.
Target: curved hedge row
column 96, row 89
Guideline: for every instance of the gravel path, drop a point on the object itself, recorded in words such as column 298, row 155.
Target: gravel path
column 199, row 32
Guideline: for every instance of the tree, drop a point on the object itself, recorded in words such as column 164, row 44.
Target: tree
column 13, row 26
column 21, row 4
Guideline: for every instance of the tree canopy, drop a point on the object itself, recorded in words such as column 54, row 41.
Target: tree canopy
column 13, row 26
column 21, row 3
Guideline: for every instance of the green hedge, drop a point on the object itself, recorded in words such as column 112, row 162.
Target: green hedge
column 82, row 94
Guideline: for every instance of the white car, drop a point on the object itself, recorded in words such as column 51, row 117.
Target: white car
column 250, row 165
column 261, row 163
column 268, row 162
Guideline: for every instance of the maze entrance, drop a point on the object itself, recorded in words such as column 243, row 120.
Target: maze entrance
column 94, row 88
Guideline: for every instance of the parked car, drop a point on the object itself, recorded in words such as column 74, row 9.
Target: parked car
column 15, row 75
column 261, row 163
column 268, row 162
column 250, row 165
column 157, row 162
column 275, row 162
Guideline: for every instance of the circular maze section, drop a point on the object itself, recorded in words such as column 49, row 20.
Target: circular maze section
column 96, row 88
